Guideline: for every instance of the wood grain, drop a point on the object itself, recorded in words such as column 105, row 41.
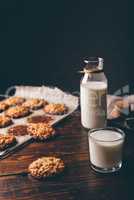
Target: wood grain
column 78, row 181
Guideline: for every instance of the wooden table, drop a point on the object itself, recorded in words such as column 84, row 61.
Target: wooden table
column 79, row 180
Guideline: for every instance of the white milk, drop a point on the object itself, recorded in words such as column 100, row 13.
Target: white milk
column 93, row 104
column 105, row 148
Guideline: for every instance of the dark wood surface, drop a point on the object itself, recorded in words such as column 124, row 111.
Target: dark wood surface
column 79, row 181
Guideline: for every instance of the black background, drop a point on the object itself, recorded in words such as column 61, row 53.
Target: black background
column 45, row 42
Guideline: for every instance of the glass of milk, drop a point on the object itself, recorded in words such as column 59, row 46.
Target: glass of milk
column 93, row 94
column 105, row 149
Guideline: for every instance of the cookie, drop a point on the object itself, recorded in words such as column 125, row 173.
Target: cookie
column 17, row 112
column 121, row 104
column 5, row 121
column 55, row 109
column 40, row 119
column 40, row 131
column 115, row 113
column 119, row 108
column 34, row 103
column 14, row 100
column 18, row 130
column 46, row 167
column 6, row 141
column 3, row 106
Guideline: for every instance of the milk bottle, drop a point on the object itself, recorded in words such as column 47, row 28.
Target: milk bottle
column 93, row 95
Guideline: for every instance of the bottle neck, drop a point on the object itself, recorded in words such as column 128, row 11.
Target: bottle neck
column 93, row 71
column 94, row 76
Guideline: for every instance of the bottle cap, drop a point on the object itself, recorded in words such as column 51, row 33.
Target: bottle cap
column 93, row 64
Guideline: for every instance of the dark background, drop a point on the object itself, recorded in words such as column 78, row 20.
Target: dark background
column 45, row 42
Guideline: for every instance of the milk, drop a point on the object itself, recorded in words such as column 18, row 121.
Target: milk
column 105, row 147
column 93, row 104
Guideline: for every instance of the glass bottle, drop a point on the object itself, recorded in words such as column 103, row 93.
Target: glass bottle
column 93, row 94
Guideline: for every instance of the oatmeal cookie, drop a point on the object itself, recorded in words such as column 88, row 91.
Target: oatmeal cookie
column 119, row 107
column 34, row 103
column 17, row 112
column 14, row 100
column 6, row 141
column 55, row 109
column 5, row 121
column 18, row 130
column 46, row 167
column 40, row 131
column 115, row 113
column 40, row 118
column 121, row 104
column 3, row 106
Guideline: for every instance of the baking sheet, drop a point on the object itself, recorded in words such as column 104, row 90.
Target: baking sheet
column 52, row 95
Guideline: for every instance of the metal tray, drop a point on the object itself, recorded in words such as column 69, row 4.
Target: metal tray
column 23, row 91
